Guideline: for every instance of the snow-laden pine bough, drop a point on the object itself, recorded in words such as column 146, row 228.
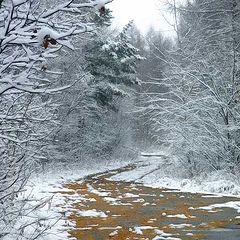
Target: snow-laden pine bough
column 31, row 33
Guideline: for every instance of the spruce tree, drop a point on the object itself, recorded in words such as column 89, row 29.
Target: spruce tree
column 112, row 61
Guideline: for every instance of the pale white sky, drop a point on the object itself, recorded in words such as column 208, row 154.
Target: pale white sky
column 145, row 13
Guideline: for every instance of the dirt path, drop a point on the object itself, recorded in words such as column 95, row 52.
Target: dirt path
column 102, row 209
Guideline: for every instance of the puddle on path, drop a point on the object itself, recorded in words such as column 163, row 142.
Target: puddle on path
column 106, row 210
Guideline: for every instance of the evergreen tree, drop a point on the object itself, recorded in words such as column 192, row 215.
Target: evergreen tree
column 92, row 128
column 112, row 61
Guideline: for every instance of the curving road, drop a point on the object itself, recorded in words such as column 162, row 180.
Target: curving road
column 101, row 209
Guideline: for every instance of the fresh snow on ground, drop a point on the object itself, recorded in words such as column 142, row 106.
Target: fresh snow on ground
column 138, row 230
column 97, row 192
column 162, row 233
column 156, row 171
column 182, row 216
column 114, row 233
column 92, row 213
column 234, row 205
column 130, row 195
column 166, row 172
column 42, row 191
column 180, row 225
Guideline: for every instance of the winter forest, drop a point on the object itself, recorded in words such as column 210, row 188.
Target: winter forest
column 88, row 109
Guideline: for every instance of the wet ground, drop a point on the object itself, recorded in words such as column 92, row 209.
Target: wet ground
column 103, row 209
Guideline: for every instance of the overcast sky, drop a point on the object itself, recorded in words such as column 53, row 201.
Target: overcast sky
column 144, row 13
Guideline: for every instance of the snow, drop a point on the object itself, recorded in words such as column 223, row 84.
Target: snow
column 180, row 225
column 114, row 233
column 140, row 200
column 182, row 216
column 139, row 230
column 44, row 187
column 46, row 31
column 165, row 238
column 233, row 204
column 111, row 200
column 162, row 233
column 100, row 3
column 151, row 171
column 92, row 213
column 167, row 172
column 18, row 2
column 97, row 192
column 130, row 195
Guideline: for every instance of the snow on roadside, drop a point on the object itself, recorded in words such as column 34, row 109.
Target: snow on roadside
column 41, row 192
column 157, row 172
column 167, row 172
column 234, row 205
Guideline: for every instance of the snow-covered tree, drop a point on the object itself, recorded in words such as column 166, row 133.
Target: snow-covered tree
column 112, row 62
column 201, row 110
column 93, row 127
column 30, row 35
column 151, row 71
